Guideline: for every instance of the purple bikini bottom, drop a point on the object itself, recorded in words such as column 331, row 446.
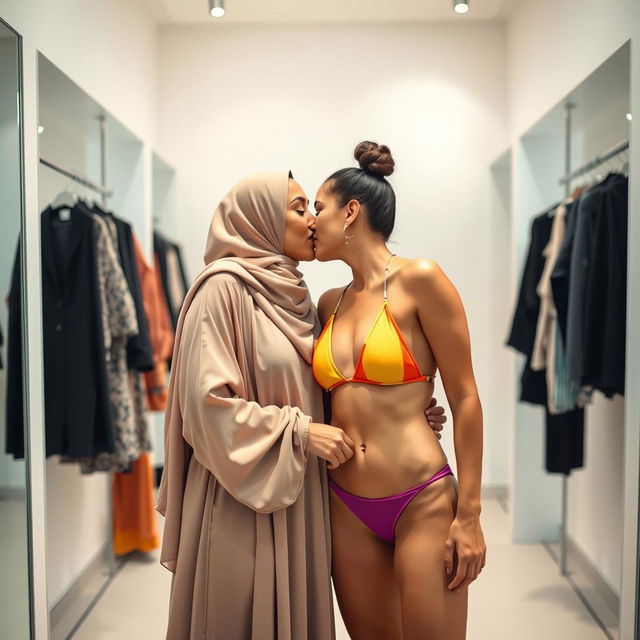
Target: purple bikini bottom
column 381, row 514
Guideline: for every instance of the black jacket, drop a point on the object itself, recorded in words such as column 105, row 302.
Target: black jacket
column 533, row 387
column 77, row 407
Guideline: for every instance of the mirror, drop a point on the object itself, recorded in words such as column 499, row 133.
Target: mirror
column 14, row 579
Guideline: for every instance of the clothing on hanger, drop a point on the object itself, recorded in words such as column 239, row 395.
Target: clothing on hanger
column 177, row 290
column 76, row 386
column 139, row 352
column 559, row 278
column 134, row 517
column 583, row 277
column 525, row 318
column 606, row 292
column 564, row 433
column 172, row 274
column 160, row 330
column 118, row 325
column 543, row 356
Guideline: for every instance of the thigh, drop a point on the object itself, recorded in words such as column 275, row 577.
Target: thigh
column 429, row 609
column 363, row 577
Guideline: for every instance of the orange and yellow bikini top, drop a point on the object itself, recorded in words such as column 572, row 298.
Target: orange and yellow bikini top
column 385, row 358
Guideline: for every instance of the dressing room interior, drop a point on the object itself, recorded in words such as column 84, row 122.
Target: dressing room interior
column 123, row 127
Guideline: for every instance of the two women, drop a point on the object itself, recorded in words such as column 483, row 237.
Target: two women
column 245, row 490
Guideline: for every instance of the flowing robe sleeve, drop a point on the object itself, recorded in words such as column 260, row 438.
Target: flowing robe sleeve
column 257, row 453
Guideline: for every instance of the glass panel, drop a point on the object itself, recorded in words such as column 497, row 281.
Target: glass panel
column 14, row 576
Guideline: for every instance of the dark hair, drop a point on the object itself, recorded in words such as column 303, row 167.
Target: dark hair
column 368, row 185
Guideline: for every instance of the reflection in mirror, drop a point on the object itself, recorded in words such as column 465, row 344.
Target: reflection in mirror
column 14, row 581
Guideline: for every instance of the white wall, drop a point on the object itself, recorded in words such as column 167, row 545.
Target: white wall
column 108, row 48
column 235, row 100
column 552, row 47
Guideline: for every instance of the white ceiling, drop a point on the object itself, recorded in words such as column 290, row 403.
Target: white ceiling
column 322, row 11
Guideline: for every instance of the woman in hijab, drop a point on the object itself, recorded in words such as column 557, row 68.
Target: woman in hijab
column 244, row 489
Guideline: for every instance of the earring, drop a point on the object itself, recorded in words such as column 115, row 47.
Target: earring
column 346, row 237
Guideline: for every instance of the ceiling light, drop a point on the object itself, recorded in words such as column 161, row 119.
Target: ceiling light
column 629, row 117
column 216, row 8
column 461, row 6
column 40, row 129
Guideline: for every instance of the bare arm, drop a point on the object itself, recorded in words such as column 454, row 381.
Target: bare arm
column 444, row 323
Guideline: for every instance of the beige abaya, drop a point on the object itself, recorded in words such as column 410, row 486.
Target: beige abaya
column 247, row 521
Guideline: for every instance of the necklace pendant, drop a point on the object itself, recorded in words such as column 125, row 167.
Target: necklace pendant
column 363, row 446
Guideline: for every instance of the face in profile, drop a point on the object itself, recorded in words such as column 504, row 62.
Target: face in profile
column 298, row 232
column 329, row 224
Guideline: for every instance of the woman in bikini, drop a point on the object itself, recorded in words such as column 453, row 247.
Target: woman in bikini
column 406, row 536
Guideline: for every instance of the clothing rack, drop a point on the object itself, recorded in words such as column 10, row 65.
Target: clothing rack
column 566, row 180
column 76, row 177
column 83, row 180
column 596, row 162
column 105, row 192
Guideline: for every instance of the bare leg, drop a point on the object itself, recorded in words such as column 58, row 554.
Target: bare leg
column 363, row 577
column 429, row 610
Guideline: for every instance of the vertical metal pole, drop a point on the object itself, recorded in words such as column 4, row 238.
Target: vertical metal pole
column 103, row 155
column 103, row 180
column 568, row 108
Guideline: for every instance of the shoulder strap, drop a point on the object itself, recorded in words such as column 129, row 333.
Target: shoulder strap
column 386, row 273
column 341, row 296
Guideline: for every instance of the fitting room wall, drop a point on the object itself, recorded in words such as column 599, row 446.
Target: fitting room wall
column 109, row 49
column 552, row 47
column 239, row 99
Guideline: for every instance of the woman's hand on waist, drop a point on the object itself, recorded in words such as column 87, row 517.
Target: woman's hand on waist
column 329, row 443
column 435, row 417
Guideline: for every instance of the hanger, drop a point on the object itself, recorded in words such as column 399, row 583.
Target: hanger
column 64, row 202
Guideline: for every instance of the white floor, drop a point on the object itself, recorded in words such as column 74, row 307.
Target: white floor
column 519, row 595
column 14, row 567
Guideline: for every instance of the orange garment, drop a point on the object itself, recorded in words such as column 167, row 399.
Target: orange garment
column 160, row 329
column 134, row 520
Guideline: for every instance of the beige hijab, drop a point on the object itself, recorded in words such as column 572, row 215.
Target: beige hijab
column 246, row 239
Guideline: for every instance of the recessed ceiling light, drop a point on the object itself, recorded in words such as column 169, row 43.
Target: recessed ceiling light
column 216, row 8
column 629, row 117
column 461, row 6
column 40, row 129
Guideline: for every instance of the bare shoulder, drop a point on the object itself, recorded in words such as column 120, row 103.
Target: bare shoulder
column 327, row 302
column 418, row 274
column 426, row 282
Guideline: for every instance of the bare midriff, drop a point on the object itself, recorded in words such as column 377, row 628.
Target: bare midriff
column 401, row 449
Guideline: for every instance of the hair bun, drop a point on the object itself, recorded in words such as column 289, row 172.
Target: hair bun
column 374, row 158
